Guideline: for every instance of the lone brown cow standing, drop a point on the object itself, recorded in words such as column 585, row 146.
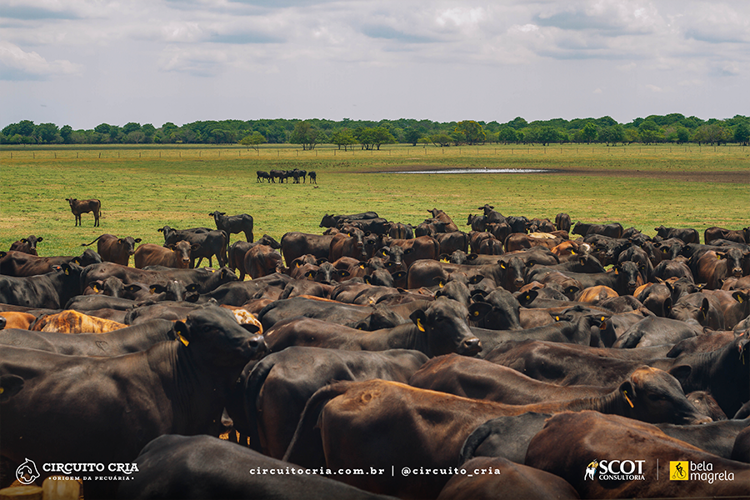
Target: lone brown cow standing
column 79, row 207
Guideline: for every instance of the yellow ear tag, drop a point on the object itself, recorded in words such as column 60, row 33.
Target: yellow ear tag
column 625, row 393
column 183, row 339
column 297, row 264
column 152, row 290
column 557, row 318
column 739, row 299
column 440, row 284
column 502, row 266
column 2, row 390
column 361, row 266
column 444, row 261
column 476, row 313
column 95, row 289
column 67, row 271
column 572, row 252
column 419, row 325
column 213, row 270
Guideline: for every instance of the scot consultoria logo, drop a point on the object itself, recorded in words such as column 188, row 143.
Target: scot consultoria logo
column 615, row 470
column 591, row 470
column 27, row 472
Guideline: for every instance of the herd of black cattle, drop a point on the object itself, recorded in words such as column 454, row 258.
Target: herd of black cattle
column 295, row 174
column 380, row 359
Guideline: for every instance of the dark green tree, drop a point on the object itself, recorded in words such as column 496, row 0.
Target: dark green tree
column 306, row 134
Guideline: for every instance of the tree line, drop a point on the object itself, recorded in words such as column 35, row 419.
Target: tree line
column 673, row 128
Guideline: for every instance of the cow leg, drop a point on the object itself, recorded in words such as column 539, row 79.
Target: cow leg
column 248, row 236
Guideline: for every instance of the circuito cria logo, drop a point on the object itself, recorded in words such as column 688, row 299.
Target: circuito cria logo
column 27, row 472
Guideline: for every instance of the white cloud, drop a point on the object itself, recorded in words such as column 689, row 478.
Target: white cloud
column 18, row 64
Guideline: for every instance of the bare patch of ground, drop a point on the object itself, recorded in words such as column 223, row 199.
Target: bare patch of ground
column 725, row 177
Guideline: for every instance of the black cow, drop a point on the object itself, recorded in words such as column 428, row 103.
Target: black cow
column 123, row 341
column 206, row 279
column 688, row 235
column 295, row 244
column 26, row 245
column 201, row 467
column 263, row 175
column 242, row 223
column 208, row 242
column 79, row 207
column 366, row 317
column 173, row 387
column 272, row 393
column 22, row 264
column 313, row 177
column 440, row 328
column 50, row 290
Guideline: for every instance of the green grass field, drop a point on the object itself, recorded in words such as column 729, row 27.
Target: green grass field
column 144, row 188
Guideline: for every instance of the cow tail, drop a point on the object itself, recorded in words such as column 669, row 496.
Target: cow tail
column 89, row 244
column 255, row 382
column 306, row 447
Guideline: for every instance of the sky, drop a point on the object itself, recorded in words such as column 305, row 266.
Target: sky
column 86, row 62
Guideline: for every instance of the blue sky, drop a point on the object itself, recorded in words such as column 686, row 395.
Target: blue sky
column 85, row 62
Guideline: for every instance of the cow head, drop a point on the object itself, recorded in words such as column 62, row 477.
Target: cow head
column 444, row 328
column 652, row 395
column 215, row 338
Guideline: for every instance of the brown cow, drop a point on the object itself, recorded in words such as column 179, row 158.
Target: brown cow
column 496, row 477
column 261, row 260
column 79, row 207
column 15, row 319
column 595, row 454
column 114, row 249
column 176, row 255
column 415, row 428
column 26, row 245
column 75, row 322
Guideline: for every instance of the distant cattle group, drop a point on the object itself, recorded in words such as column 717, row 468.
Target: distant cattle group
column 524, row 358
column 285, row 175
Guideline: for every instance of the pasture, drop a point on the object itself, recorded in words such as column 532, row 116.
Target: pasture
column 144, row 188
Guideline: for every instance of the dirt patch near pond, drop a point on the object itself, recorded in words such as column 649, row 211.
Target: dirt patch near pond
column 725, row 177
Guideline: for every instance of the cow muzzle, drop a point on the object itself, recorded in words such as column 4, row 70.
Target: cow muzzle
column 470, row 347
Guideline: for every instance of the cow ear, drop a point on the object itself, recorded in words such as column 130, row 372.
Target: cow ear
column 627, row 389
column 40, row 239
column 193, row 287
column 572, row 290
column 310, row 275
column 720, row 255
column 344, row 274
column 740, row 296
column 171, row 246
column 617, row 270
column 131, row 288
column 75, row 260
column 224, row 273
column 10, row 385
column 180, row 330
column 439, row 281
column 526, row 298
column 419, row 318
column 119, row 240
column 681, row 373
column 24, row 240
column 367, row 279
column 137, row 240
column 479, row 310
column 472, row 256
column 399, row 275
column 157, row 288
column 502, row 264
column 704, row 308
